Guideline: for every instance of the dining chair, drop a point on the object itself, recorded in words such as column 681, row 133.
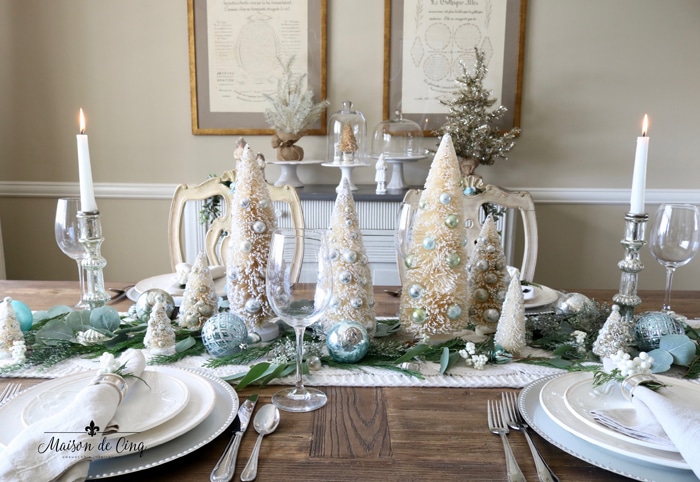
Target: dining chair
column 475, row 215
column 216, row 237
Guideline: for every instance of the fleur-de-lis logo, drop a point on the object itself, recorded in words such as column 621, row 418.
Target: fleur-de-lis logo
column 92, row 429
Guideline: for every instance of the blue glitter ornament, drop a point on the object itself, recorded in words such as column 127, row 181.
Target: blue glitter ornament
column 23, row 314
column 347, row 342
column 223, row 334
column 651, row 326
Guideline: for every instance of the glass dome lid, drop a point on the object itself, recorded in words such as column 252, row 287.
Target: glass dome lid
column 398, row 138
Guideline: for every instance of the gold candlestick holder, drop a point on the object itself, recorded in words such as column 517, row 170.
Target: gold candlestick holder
column 627, row 299
column 91, row 238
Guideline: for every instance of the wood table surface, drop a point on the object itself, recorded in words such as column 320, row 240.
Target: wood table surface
column 369, row 433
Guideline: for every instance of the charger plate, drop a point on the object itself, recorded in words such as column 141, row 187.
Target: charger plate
column 224, row 408
column 611, row 460
column 542, row 296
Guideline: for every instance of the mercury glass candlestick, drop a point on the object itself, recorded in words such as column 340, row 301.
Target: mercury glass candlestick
column 627, row 299
column 93, row 262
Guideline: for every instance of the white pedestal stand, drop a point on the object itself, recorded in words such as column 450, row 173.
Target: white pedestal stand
column 346, row 173
column 397, row 182
column 288, row 172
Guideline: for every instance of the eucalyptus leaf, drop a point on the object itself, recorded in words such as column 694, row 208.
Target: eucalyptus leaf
column 412, row 352
column 58, row 310
column 662, row 360
column 53, row 332
column 105, row 317
column 680, row 347
column 444, row 360
column 184, row 344
column 256, row 371
column 78, row 320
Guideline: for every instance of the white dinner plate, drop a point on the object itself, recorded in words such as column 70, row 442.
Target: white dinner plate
column 201, row 403
column 168, row 283
column 594, row 454
column 222, row 402
column 146, row 405
column 580, row 398
column 552, row 402
column 542, row 296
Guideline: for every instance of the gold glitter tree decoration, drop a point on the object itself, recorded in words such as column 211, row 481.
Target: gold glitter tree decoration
column 252, row 224
column 488, row 278
column 434, row 293
column 10, row 330
column 353, row 298
column 199, row 301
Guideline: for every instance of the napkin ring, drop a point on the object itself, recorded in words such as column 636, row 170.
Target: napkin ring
column 630, row 383
column 114, row 380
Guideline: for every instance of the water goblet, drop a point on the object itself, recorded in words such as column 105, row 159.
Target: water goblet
column 674, row 240
column 299, row 299
column 67, row 234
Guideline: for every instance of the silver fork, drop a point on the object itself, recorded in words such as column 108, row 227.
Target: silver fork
column 515, row 420
column 497, row 425
column 10, row 390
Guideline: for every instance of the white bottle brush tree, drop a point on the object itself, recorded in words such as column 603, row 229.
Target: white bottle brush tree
column 353, row 298
column 433, row 299
column 252, row 223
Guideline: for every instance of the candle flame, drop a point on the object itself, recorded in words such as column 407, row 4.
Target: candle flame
column 82, row 121
column 645, row 125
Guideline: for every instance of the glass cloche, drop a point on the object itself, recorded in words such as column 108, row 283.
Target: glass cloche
column 398, row 138
column 347, row 130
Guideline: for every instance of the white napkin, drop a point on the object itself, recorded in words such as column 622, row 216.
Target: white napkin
column 29, row 457
column 662, row 415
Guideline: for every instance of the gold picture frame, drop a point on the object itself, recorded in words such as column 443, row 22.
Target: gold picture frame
column 424, row 41
column 237, row 51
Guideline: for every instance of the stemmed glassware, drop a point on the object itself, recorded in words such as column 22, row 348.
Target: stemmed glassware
column 67, row 234
column 299, row 297
column 674, row 240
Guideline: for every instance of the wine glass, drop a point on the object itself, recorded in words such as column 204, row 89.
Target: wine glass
column 674, row 240
column 67, row 234
column 402, row 236
column 299, row 299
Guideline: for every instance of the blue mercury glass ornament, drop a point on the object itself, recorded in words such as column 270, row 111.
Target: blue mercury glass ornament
column 651, row 326
column 224, row 334
column 347, row 342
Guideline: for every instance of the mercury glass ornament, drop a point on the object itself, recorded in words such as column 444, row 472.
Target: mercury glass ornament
column 651, row 326
column 573, row 304
column 347, row 342
column 224, row 334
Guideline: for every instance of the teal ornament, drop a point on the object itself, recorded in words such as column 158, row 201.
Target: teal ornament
column 147, row 300
column 347, row 342
column 451, row 221
column 418, row 316
column 429, row 242
column 469, row 191
column 415, row 290
column 454, row 312
column 224, row 334
column 651, row 326
column 23, row 314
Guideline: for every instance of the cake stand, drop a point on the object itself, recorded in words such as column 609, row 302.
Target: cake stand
column 397, row 183
column 288, row 171
column 346, row 173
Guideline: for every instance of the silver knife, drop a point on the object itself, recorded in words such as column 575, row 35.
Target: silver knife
column 226, row 466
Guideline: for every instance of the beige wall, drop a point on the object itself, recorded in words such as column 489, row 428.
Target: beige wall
column 592, row 69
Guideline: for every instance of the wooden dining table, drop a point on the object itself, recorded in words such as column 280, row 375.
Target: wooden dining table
column 369, row 433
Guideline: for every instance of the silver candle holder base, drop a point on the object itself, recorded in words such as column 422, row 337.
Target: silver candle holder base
column 91, row 238
column 627, row 299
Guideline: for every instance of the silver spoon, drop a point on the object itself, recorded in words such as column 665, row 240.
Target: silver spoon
column 266, row 421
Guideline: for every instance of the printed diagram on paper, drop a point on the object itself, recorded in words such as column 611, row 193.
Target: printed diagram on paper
column 437, row 36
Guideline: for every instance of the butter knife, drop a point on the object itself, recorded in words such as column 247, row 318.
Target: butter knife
column 226, row 466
